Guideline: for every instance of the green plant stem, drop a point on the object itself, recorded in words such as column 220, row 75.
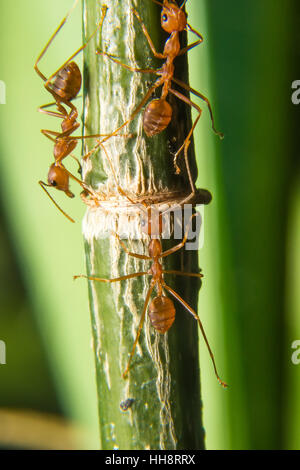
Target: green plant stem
column 163, row 381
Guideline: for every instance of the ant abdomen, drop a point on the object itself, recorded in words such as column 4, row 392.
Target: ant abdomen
column 157, row 117
column 162, row 313
column 67, row 82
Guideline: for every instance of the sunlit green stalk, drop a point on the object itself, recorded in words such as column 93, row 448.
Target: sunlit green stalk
column 163, row 383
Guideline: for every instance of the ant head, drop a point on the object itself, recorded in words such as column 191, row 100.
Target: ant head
column 173, row 18
column 58, row 178
column 152, row 223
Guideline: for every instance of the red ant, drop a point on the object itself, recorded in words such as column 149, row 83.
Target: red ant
column 64, row 85
column 161, row 309
column 158, row 112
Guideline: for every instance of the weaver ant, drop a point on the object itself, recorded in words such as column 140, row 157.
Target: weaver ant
column 161, row 309
column 158, row 113
column 64, row 85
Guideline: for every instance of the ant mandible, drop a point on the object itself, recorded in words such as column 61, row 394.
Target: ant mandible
column 158, row 113
column 161, row 309
column 64, row 85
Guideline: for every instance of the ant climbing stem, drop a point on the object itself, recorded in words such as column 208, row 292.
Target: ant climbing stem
column 161, row 308
column 64, row 85
column 158, row 112
column 153, row 217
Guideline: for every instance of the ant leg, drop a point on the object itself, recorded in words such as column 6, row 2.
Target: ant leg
column 48, row 134
column 117, row 279
column 181, row 273
column 59, row 106
column 195, row 32
column 135, row 255
column 202, row 97
column 128, row 67
column 43, row 186
column 82, row 184
column 104, row 9
column 50, row 41
column 42, row 109
column 187, row 198
column 61, row 135
column 135, row 112
column 139, row 327
column 186, row 142
column 78, row 162
column 186, row 158
column 194, row 44
column 186, row 145
column 70, row 131
column 182, row 243
column 92, row 193
column 147, row 35
column 183, row 201
column 192, row 312
column 95, row 136
column 119, row 188
column 189, row 47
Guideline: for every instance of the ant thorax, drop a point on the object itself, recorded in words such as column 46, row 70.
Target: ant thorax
column 155, row 248
column 172, row 46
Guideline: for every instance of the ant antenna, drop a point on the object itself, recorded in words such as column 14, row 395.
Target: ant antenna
column 72, row 8
column 158, row 3
column 183, row 4
column 52, row 37
column 104, row 9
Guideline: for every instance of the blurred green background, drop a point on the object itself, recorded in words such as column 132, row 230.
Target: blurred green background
column 250, row 299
